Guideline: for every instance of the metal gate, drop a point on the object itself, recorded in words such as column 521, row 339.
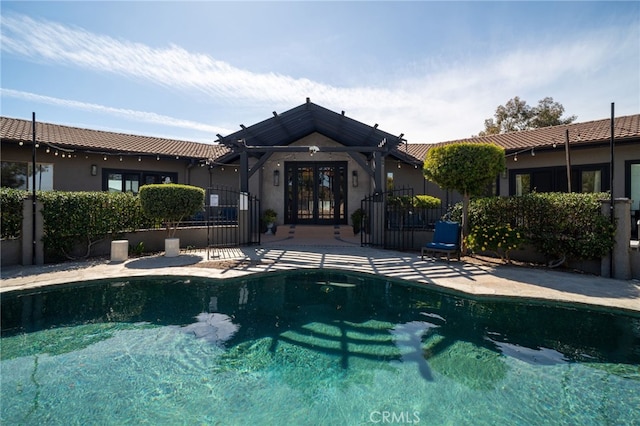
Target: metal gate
column 233, row 218
column 389, row 220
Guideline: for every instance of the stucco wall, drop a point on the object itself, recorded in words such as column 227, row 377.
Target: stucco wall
column 579, row 156
column 273, row 197
column 73, row 173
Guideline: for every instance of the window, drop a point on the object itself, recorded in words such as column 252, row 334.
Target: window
column 584, row 178
column 632, row 191
column 390, row 184
column 132, row 180
column 523, row 184
column 633, row 184
column 19, row 175
column 591, row 181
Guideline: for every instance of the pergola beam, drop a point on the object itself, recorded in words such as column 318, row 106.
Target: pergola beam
column 314, row 149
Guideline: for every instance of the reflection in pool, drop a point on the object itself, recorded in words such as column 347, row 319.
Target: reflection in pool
column 308, row 347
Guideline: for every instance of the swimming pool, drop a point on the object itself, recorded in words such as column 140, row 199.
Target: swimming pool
column 309, row 347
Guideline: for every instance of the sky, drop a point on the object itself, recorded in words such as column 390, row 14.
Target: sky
column 433, row 71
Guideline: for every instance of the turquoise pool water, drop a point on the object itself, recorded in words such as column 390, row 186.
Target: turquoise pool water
column 308, row 348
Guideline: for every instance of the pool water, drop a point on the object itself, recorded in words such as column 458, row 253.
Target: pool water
column 309, row 348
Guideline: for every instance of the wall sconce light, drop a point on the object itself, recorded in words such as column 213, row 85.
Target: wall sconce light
column 94, row 170
column 503, row 174
column 354, row 178
column 276, row 177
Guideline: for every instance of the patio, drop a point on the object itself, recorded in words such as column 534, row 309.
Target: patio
column 312, row 247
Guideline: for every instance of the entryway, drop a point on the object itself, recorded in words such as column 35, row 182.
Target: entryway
column 314, row 236
column 316, row 193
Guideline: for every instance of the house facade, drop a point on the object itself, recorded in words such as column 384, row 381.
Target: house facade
column 314, row 166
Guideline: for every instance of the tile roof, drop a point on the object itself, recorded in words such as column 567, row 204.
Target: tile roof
column 75, row 138
column 580, row 134
column 626, row 128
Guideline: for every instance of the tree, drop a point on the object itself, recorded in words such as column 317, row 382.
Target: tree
column 170, row 203
column 464, row 167
column 516, row 115
column 549, row 113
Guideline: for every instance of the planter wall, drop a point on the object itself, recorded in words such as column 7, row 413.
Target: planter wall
column 153, row 240
column 11, row 252
column 525, row 254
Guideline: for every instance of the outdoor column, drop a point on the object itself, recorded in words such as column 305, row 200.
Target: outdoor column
column 243, row 219
column 27, row 236
column 621, row 262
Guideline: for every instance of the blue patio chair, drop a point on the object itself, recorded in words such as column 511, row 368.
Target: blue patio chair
column 446, row 239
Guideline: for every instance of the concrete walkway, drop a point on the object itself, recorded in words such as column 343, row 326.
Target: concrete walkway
column 324, row 247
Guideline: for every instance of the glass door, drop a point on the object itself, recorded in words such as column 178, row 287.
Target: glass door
column 316, row 193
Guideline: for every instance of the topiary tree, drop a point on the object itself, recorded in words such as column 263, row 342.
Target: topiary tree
column 171, row 203
column 464, row 167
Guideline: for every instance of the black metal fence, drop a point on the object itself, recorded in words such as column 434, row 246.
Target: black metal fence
column 232, row 217
column 391, row 218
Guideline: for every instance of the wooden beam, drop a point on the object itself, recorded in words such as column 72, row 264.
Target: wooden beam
column 258, row 148
column 362, row 163
column 259, row 163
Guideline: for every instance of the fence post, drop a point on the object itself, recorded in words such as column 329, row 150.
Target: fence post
column 27, row 236
column 243, row 218
column 619, row 256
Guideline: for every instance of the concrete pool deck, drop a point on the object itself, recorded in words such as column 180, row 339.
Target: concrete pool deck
column 318, row 248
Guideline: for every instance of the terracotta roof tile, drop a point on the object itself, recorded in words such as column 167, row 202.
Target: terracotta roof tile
column 586, row 133
column 100, row 141
column 591, row 132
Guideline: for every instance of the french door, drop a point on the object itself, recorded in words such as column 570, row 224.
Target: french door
column 316, row 193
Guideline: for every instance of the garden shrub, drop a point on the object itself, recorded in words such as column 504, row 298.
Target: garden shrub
column 568, row 225
column 418, row 201
column 171, row 203
column 558, row 225
column 72, row 218
column 500, row 239
column 358, row 220
column 11, row 204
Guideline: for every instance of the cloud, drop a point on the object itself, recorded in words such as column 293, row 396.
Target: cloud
column 140, row 116
column 428, row 107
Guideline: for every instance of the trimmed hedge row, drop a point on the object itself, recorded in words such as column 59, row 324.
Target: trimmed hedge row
column 73, row 217
column 418, row 201
column 558, row 225
column 11, row 202
column 87, row 218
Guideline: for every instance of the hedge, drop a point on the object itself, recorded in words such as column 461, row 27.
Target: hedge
column 558, row 225
column 171, row 203
column 87, row 218
column 11, row 202
column 417, row 201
